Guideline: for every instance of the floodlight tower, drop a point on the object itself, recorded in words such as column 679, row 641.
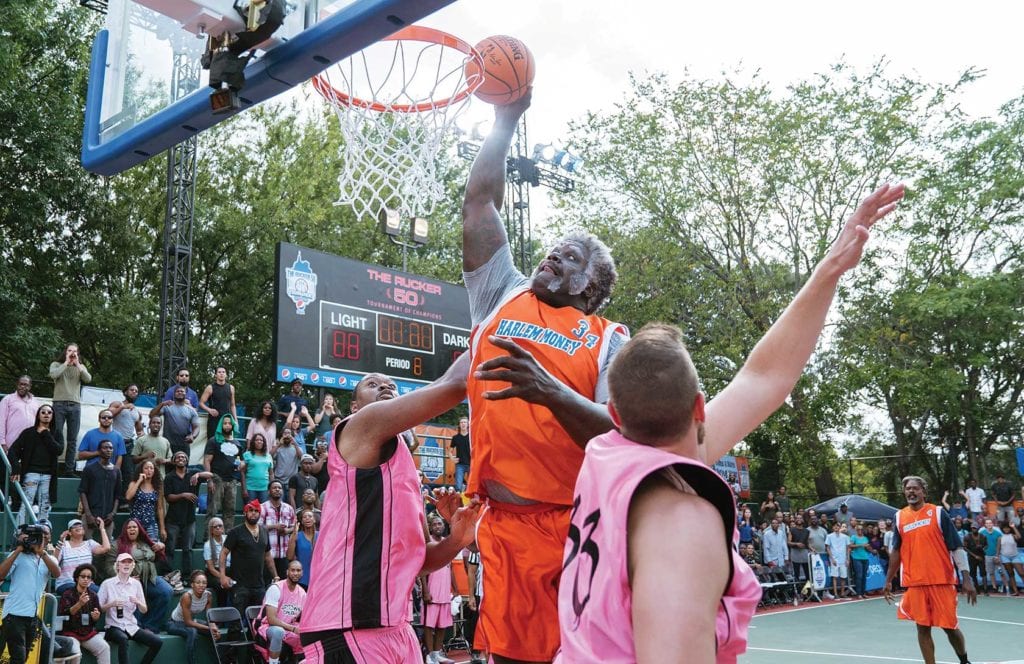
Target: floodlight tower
column 179, row 216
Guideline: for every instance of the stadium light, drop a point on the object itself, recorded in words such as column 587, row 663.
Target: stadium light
column 391, row 226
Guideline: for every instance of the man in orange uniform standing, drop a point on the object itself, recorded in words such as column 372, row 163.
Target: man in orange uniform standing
column 540, row 354
column 925, row 544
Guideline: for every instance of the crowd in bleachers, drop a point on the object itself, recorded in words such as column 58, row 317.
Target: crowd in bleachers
column 127, row 555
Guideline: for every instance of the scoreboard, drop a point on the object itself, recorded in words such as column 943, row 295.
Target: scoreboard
column 340, row 319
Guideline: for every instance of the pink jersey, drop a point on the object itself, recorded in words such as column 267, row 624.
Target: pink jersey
column 371, row 545
column 289, row 607
column 594, row 597
column 439, row 583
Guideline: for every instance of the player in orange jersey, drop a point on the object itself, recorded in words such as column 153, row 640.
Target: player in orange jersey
column 539, row 355
column 925, row 546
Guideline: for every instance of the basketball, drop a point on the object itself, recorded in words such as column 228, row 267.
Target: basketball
column 508, row 70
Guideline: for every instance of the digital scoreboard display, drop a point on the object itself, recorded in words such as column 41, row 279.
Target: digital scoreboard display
column 339, row 319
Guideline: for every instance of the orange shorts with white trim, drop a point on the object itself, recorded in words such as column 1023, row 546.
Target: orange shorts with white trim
column 932, row 606
column 521, row 555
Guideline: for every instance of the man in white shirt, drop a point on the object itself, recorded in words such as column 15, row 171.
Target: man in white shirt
column 975, row 498
column 120, row 597
column 776, row 547
column 838, row 545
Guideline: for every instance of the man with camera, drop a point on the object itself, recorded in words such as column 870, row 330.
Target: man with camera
column 28, row 567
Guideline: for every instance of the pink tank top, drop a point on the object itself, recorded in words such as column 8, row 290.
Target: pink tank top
column 289, row 606
column 594, row 598
column 371, row 545
column 439, row 583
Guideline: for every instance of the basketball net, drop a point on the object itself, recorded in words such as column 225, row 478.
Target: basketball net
column 396, row 102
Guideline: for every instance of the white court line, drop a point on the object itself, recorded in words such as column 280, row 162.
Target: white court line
column 1001, row 622
column 817, row 606
column 842, row 654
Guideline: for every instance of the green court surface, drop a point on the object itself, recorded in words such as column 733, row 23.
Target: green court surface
column 867, row 631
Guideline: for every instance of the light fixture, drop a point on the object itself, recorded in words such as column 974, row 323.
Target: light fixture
column 390, row 222
column 420, row 230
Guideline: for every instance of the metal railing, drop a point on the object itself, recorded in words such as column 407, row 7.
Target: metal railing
column 9, row 522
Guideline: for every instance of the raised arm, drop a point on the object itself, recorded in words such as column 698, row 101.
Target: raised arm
column 779, row 358
column 381, row 421
column 483, row 233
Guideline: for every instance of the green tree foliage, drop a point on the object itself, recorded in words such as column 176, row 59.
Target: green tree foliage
column 938, row 342
column 45, row 196
column 719, row 197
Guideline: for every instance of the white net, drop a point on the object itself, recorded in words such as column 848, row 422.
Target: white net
column 396, row 103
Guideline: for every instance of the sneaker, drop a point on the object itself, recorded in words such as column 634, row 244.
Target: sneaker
column 828, row 595
column 431, row 658
column 441, row 659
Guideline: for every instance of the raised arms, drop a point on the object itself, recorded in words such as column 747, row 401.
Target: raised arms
column 779, row 358
column 483, row 233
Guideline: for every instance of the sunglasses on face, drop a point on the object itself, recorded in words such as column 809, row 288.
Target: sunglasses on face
column 106, row 417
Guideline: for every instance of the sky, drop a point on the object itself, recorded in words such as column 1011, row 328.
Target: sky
column 585, row 50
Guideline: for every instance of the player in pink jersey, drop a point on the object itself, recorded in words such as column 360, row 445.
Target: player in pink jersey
column 373, row 541
column 633, row 589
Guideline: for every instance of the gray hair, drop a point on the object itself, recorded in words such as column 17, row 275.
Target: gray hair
column 915, row 478
column 600, row 272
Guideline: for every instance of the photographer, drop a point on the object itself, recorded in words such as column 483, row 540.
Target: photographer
column 29, row 567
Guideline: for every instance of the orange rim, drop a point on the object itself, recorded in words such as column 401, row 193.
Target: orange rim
column 410, row 33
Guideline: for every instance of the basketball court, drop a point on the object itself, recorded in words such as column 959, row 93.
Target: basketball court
column 367, row 58
column 867, row 631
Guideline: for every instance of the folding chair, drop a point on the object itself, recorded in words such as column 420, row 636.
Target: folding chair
column 458, row 640
column 253, row 618
column 234, row 645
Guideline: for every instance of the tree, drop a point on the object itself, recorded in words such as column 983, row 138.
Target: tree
column 45, row 198
column 939, row 342
column 719, row 197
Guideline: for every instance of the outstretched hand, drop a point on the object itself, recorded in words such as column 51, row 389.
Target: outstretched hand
column 446, row 501
column 848, row 248
column 529, row 380
column 463, row 523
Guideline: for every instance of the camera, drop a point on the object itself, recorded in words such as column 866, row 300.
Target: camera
column 30, row 535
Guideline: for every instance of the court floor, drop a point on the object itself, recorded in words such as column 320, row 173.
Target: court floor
column 867, row 631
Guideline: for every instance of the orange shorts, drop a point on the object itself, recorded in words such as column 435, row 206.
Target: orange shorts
column 521, row 555
column 931, row 606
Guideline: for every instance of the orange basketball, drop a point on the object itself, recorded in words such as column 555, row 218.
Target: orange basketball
column 508, row 69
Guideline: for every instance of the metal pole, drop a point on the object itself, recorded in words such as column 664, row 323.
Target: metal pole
column 176, row 286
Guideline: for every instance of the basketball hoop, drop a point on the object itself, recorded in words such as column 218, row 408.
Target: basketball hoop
column 396, row 101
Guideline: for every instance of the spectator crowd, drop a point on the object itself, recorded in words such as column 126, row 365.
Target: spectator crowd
column 132, row 583
column 777, row 540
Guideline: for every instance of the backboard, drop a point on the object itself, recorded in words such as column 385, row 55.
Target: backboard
column 131, row 113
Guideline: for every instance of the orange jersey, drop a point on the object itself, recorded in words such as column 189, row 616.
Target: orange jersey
column 925, row 537
column 519, row 444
